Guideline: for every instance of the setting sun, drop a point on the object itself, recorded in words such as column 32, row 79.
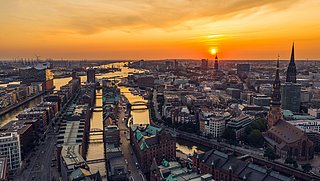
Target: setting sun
column 213, row 51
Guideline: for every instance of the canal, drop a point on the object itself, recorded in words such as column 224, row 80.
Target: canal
column 96, row 150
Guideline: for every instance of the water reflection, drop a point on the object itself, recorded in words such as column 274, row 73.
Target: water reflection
column 6, row 118
column 188, row 148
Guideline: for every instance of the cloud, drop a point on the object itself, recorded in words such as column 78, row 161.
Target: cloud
column 90, row 17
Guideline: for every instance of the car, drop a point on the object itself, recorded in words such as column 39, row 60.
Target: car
column 131, row 153
column 53, row 165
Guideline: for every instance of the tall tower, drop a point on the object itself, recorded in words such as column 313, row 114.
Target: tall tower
column 275, row 113
column 216, row 63
column 292, row 71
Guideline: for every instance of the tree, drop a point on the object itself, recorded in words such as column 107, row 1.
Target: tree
column 270, row 154
column 229, row 134
column 317, row 147
column 255, row 138
column 289, row 160
column 306, row 167
column 259, row 124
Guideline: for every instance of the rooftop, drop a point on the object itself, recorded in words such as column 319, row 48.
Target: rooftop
column 71, row 157
column 286, row 132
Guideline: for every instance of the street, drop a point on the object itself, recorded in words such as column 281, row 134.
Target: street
column 40, row 164
column 135, row 173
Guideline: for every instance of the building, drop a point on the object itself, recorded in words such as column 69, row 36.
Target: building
column 227, row 167
column 285, row 139
column 39, row 115
column 4, row 172
column 116, row 165
column 182, row 115
column 314, row 112
column 290, row 96
column 39, row 73
column 204, row 64
column 71, row 160
column 243, row 68
column 150, row 143
column 216, row 63
column 261, row 100
column 25, row 132
column 239, row 124
column 234, row 93
column 290, row 90
column 91, row 76
column 112, row 135
column 174, row 171
column 213, row 122
column 82, row 174
column 10, row 148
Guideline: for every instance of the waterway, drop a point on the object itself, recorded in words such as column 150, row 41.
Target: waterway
column 96, row 150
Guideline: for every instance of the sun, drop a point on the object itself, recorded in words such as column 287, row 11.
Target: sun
column 213, row 51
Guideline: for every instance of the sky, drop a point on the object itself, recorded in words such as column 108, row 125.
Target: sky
column 159, row 29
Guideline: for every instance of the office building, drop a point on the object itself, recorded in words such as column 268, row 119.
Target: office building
column 213, row 122
column 10, row 147
column 4, row 172
column 239, row 124
column 25, row 132
column 91, row 76
column 290, row 96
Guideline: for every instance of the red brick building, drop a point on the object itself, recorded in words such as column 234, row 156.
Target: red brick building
column 150, row 143
column 225, row 167
column 284, row 138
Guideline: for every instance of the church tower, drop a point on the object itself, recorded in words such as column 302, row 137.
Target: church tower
column 216, row 63
column 292, row 71
column 275, row 113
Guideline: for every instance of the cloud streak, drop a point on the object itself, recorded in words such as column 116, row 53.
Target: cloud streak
column 90, row 17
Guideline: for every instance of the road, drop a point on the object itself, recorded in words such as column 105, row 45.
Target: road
column 135, row 173
column 40, row 164
column 155, row 104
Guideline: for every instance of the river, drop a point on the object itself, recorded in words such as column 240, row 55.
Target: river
column 96, row 150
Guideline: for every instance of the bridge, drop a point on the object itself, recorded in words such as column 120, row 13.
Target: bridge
column 139, row 103
column 141, row 108
column 95, row 130
column 96, row 140
column 95, row 161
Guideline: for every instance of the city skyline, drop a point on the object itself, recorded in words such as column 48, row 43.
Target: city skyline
column 241, row 30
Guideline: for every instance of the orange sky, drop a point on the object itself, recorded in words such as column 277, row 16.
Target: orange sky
column 159, row 29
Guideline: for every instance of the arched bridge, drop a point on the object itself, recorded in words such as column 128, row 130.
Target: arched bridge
column 139, row 103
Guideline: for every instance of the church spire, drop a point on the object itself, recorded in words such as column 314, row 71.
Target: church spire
column 292, row 71
column 276, row 95
column 216, row 63
column 275, row 113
